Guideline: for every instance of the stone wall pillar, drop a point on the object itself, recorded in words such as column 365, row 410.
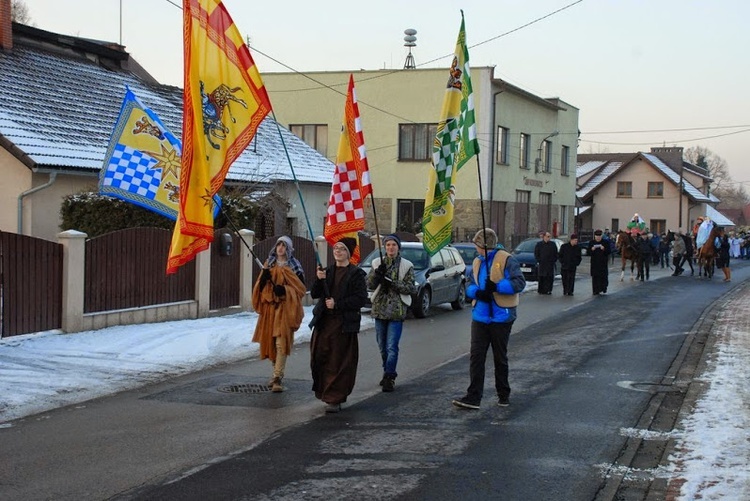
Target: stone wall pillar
column 203, row 282
column 74, row 258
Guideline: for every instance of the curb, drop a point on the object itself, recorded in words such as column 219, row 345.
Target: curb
column 639, row 472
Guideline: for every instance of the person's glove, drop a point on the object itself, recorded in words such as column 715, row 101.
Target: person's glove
column 385, row 285
column 490, row 286
column 279, row 290
column 483, row 295
column 380, row 274
column 265, row 276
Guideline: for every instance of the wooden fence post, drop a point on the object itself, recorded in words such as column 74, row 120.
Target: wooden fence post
column 74, row 258
column 246, row 270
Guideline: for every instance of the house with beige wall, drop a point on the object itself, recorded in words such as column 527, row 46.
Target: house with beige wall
column 59, row 99
column 527, row 146
column 663, row 189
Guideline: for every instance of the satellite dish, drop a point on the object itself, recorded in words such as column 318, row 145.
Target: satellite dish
column 410, row 31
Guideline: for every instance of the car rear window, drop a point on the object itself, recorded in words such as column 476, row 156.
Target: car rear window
column 467, row 254
column 527, row 246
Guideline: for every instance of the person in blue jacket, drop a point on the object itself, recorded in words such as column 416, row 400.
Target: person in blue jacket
column 495, row 298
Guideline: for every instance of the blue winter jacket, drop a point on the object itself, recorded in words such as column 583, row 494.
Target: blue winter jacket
column 512, row 283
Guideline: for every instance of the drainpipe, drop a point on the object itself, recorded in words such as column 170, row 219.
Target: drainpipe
column 493, row 151
column 52, row 177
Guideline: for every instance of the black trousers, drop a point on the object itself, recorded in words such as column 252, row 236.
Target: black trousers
column 482, row 337
column 568, row 280
column 644, row 262
column 689, row 260
column 599, row 282
column 545, row 284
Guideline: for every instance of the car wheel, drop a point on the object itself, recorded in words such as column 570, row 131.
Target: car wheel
column 422, row 305
column 458, row 304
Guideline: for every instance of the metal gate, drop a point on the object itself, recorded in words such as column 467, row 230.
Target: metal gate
column 30, row 284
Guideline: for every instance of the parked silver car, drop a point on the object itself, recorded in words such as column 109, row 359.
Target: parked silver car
column 439, row 279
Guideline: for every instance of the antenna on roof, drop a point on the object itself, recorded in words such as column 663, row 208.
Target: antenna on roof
column 411, row 41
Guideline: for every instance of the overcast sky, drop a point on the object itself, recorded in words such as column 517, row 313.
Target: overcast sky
column 628, row 65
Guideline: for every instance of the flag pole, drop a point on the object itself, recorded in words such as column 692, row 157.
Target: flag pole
column 377, row 231
column 299, row 192
column 484, row 225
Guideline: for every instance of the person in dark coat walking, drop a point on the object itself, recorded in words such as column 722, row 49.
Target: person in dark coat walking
column 341, row 291
column 722, row 254
column 599, row 251
column 664, row 251
column 570, row 258
column 646, row 251
column 688, row 255
column 545, row 254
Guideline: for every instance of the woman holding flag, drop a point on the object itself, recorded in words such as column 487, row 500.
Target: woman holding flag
column 277, row 298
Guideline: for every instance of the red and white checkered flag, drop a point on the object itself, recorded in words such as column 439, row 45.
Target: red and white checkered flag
column 351, row 179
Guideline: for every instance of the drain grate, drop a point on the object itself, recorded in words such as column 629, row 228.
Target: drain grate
column 244, row 388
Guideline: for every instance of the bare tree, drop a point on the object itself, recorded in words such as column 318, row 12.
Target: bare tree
column 731, row 194
column 716, row 166
column 19, row 12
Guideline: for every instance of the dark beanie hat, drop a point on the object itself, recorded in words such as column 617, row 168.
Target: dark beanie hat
column 350, row 243
column 394, row 238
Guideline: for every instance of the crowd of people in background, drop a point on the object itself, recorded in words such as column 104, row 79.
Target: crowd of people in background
column 675, row 251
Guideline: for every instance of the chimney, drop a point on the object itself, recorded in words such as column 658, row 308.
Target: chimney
column 670, row 155
column 6, row 30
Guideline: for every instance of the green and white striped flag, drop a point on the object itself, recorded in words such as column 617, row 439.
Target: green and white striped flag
column 455, row 143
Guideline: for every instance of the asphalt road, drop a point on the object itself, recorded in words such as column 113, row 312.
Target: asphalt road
column 584, row 370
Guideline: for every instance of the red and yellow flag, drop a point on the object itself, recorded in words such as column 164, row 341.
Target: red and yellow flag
column 351, row 180
column 224, row 102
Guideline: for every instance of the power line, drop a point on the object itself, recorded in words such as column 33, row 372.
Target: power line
column 666, row 130
column 670, row 141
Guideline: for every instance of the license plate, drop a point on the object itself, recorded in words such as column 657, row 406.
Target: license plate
column 525, row 269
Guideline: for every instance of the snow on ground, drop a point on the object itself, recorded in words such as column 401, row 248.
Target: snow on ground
column 712, row 453
column 44, row 371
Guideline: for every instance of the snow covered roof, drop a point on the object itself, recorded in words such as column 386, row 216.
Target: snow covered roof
column 691, row 190
column 584, row 168
column 717, row 217
column 609, row 169
column 59, row 110
column 609, row 164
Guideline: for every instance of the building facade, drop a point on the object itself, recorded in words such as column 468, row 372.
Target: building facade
column 527, row 146
column 668, row 193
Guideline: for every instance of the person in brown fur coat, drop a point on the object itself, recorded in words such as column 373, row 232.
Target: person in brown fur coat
column 277, row 298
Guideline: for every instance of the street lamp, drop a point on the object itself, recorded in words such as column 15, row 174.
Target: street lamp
column 539, row 151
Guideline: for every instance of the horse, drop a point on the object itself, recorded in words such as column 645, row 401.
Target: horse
column 626, row 246
column 707, row 254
